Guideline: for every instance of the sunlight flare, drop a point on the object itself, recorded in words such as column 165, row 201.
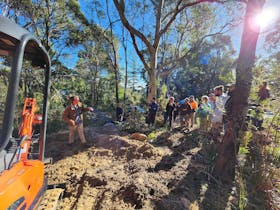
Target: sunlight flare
column 265, row 18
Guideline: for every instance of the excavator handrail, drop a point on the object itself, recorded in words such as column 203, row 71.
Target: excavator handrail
column 16, row 151
column 19, row 43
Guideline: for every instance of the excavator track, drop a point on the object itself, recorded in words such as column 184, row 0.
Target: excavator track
column 51, row 199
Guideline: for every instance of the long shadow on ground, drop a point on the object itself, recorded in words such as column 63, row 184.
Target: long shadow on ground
column 197, row 189
column 178, row 147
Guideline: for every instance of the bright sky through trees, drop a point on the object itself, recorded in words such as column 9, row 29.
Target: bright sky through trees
column 267, row 21
column 266, row 18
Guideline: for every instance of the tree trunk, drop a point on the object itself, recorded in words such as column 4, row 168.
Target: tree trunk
column 225, row 164
column 152, row 86
column 126, row 69
column 152, row 75
column 114, row 59
column 117, row 86
column 94, row 85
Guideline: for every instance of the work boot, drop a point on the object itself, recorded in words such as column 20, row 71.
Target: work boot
column 86, row 145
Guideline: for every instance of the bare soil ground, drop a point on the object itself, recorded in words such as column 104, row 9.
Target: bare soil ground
column 115, row 172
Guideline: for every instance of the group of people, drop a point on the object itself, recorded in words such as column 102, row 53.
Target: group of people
column 185, row 110
column 210, row 110
column 213, row 111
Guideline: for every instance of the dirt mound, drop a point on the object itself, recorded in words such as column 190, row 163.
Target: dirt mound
column 117, row 172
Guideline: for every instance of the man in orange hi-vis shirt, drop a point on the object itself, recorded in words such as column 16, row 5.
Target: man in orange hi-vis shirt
column 194, row 107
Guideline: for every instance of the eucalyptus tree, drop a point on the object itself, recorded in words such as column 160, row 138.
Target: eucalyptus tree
column 93, row 59
column 113, row 53
column 225, row 165
column 98, row 50
column 214, row 59
column 99, row 46
column 125, row 44
column 190, row 53
column 190, row 31
column 50, row 21
column 158, row 21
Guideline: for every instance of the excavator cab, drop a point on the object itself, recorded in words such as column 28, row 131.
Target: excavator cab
column 22, row 181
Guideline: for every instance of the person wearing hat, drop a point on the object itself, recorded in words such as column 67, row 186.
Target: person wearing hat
column 153, row 108
column 203, row 113
column 219, row 109
column 184, row 111
column 73, row 116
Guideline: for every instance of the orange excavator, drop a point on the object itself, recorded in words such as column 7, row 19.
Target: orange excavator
column 22, row 181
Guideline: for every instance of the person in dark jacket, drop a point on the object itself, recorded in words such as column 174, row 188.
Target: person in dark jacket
column 153, row 108
column 119, row 112
column 176, row 111
column 185, row 110
column 169, row 110
column 264, row 91
column 73, row 116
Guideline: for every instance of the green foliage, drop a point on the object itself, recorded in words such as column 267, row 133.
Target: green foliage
column 274, row 151
column 243, row 150
column 151, row 135
column 161, row 100
column 246, row 138
column 242, row 193
column 74, row 6
column 218, row 66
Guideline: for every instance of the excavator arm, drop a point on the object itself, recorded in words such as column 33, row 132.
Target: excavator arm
column 28, row 120
column 22, row 181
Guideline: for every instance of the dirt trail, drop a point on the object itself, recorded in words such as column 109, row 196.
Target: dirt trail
column 120, row 173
